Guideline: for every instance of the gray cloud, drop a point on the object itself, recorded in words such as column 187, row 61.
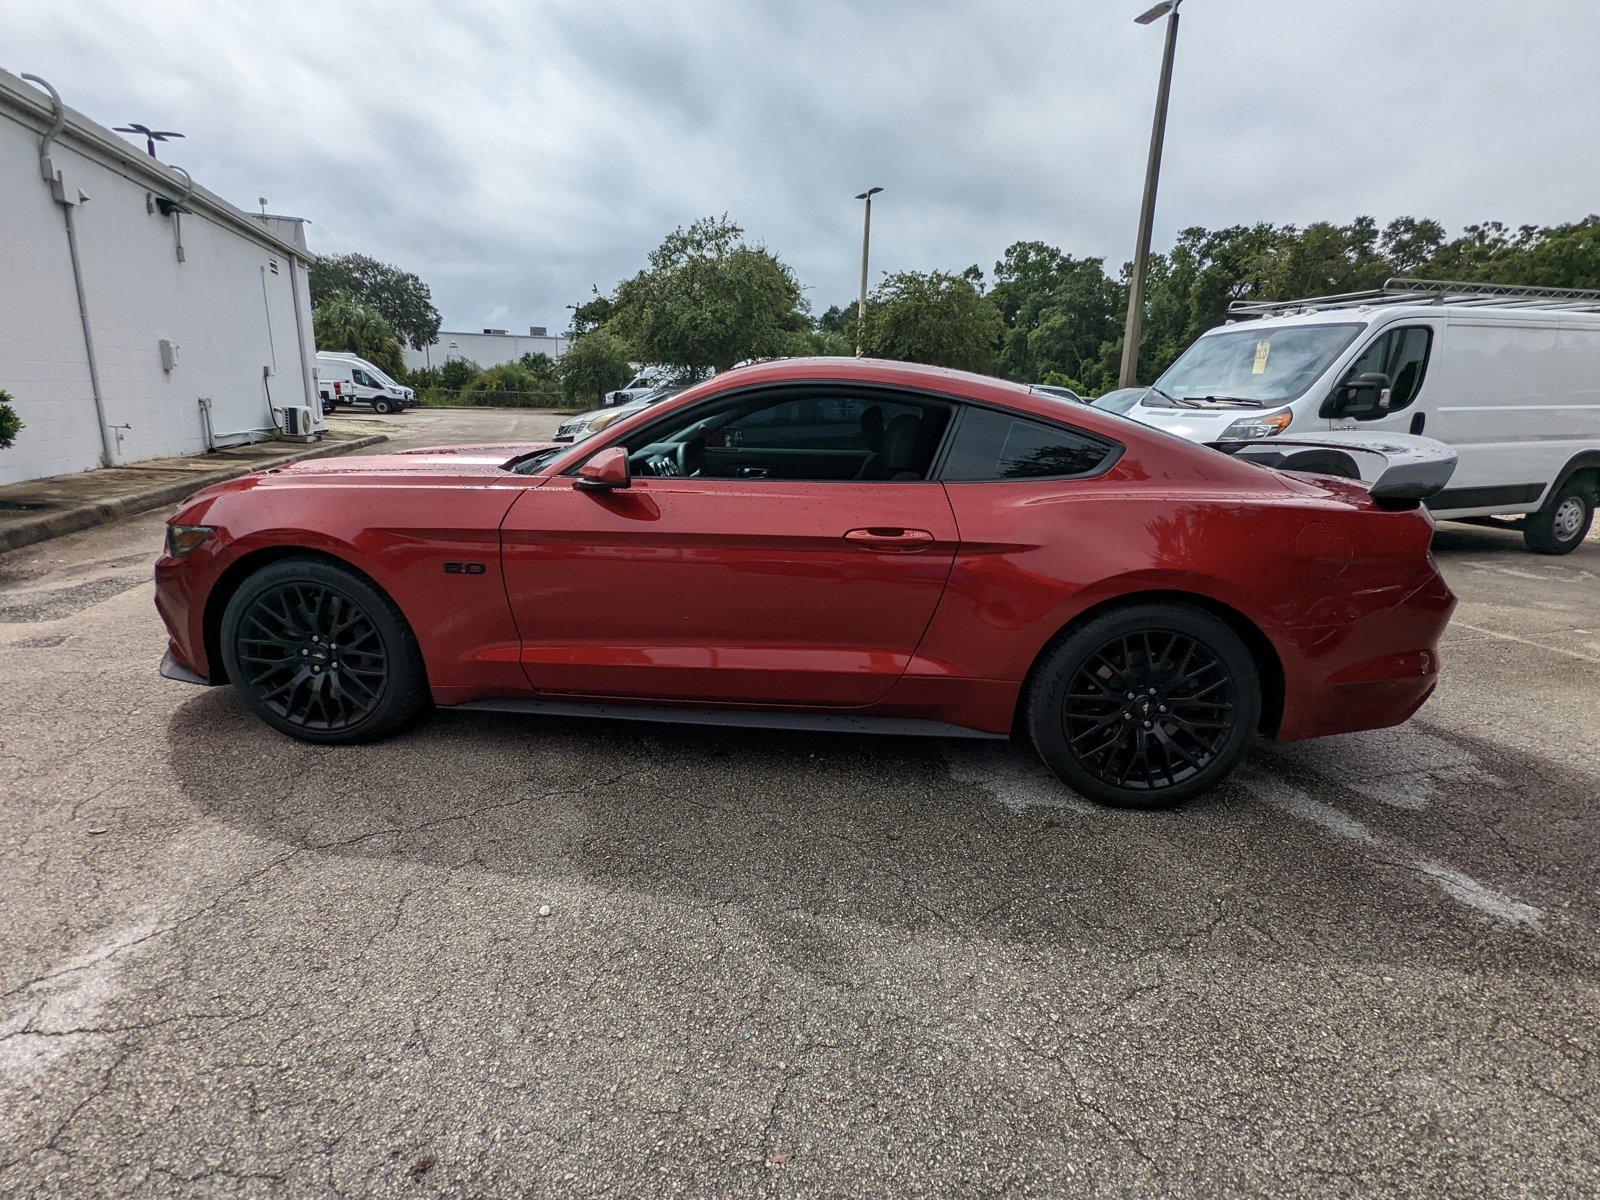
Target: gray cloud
column 513, row 154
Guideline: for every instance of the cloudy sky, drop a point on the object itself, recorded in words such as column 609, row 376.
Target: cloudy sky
column 515, row 152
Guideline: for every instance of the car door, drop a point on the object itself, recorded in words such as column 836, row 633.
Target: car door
column 771, row 573
column 1403, row 353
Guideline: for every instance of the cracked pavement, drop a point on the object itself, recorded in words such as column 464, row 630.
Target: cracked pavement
column 781, row 964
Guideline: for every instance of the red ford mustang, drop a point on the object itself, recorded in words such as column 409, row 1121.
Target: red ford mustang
column 844, row 544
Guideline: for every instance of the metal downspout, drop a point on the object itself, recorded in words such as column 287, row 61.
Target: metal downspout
column 312, row 399
column 108, row 446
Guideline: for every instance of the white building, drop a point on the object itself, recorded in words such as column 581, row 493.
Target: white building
column 140, row 315
column 486, row 347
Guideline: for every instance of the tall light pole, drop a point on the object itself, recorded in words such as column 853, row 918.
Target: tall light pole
column 1147, row 211
column 866, row 241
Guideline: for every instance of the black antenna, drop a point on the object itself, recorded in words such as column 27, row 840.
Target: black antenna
column 151, row 136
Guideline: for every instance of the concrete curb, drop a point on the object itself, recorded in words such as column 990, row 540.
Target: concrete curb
column 84, row 516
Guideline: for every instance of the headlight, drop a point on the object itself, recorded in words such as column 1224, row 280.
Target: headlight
column 183, row 540
column 1250, row 429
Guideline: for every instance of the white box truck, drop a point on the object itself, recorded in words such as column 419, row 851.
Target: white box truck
column 360, row 382
column 1509, row 377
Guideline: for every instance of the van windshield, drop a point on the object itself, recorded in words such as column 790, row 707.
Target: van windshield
column 1259, row 366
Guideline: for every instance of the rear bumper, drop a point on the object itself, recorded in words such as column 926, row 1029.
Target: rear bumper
column 1375, row 672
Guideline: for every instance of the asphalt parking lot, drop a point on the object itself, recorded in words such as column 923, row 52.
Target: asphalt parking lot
column 233, row 964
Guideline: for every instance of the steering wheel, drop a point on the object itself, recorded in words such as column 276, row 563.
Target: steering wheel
column 689, row 457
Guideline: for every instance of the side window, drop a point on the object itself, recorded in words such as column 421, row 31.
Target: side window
column 1402, row 355
column 821, row 434
column 995, row 445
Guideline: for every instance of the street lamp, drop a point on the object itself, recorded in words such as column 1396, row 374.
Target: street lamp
column 866, row 240
column 1147, row 212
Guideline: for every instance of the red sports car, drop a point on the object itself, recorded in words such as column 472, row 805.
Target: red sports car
column 844, row 544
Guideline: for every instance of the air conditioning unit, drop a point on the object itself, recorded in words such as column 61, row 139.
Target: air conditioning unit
column 298, row 422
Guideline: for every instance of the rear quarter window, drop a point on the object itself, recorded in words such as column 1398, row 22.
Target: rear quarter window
column 996, row 445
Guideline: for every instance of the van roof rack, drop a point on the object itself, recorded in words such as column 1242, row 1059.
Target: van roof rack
column 1401, row 290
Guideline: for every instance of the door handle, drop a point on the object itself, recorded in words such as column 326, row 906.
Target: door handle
column 884, row 540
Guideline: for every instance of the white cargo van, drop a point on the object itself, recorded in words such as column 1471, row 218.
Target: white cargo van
column 1509, row 377
column 361, row 382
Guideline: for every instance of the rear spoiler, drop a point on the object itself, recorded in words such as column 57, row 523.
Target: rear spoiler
column 1402, row 468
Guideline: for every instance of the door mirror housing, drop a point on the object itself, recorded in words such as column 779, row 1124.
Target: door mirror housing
column 1364, row 397
column 606, row 471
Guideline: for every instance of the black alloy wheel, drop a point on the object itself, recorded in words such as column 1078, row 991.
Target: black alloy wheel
column 1145, row 706
column 320, row 653
column 1149, row 710
column 312, row 655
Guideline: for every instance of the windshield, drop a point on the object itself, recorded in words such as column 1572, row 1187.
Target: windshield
column 1266, row 365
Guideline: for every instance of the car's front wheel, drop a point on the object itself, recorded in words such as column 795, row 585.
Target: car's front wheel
column 321, row 654
column 381, row 405
column 1145, row 706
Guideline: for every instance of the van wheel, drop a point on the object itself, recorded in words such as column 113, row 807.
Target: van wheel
column 380, row 406
column 1562, row 524
column 1145, row 707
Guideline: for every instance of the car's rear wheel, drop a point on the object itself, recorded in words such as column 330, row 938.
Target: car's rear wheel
column 1145, row 706
column 1560, row 526
column 321, row 654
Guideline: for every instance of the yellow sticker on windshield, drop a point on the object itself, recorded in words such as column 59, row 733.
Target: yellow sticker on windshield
column 1262, row 350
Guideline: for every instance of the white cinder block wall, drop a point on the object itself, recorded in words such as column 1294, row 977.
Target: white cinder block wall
column 231, row 306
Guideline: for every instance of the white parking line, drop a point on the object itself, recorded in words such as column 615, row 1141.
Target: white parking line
column 1522, row 641
column 1456, row 884
column 1016, row 779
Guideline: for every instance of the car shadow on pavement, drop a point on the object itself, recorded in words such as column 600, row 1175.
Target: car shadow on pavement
column 824, row 846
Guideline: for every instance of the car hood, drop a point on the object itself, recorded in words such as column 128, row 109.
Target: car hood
column 489, row 459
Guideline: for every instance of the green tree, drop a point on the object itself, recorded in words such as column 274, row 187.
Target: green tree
column 10, row 423
column 1059, row 312
column 935, row 318
column 840, row 322
column 593, row 365
column 341, row 323
column 708, row 300
column 591, row 314
column 399, row 296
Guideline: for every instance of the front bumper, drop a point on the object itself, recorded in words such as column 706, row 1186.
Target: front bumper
column 171, row 668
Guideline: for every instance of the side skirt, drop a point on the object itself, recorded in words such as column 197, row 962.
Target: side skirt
column 745, row 718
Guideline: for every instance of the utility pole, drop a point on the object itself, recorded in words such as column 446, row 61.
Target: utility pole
column 866, row 242
column 1147, row 212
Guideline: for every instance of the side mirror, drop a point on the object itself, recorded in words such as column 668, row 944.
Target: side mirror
column 1364, row 397
column 606, row 471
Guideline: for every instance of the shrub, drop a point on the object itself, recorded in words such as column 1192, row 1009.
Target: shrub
column 10, row 423
column 457, row 374
column 510, row 384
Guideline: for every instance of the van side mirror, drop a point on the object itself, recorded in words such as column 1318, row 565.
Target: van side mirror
column 606, row 471
column 1364, row 397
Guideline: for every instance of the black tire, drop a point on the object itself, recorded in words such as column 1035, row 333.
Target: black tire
column 1560, row 526
column 380, row 405
column 321, row 654
column 1146, row 706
